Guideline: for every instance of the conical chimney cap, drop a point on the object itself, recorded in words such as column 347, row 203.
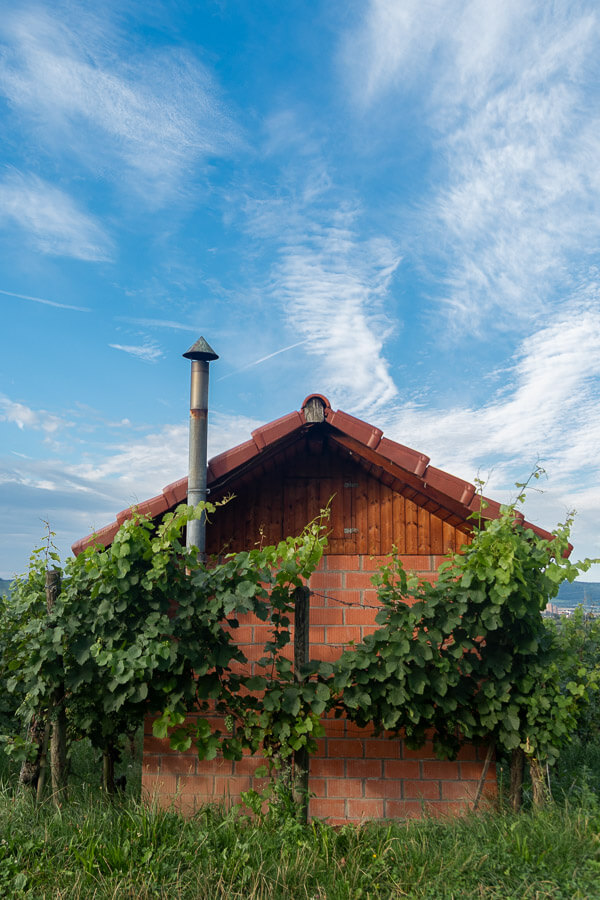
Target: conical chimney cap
column 201, row 350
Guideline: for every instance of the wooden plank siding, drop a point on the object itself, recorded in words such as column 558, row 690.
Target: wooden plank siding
column 368, row 516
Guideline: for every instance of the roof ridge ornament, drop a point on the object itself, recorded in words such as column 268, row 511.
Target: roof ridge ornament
column 314, row 408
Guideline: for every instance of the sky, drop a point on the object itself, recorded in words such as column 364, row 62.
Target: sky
column 394, row 203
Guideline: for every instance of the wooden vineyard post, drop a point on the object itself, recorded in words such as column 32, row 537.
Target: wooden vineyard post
column 58, row 737
column 301, row 759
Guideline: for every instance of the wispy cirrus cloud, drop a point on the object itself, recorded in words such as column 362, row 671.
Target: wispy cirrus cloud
column 548, row 408
column 158, row 323
column 156, row 112
column 514, row 216
column 330, row 284
column 147, row 352
column 547, row 412
column 52, row 220
column 45, row 302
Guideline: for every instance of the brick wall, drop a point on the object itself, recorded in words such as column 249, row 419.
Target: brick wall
column 354, row 775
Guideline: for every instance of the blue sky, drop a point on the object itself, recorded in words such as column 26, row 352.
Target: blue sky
column 395, row 203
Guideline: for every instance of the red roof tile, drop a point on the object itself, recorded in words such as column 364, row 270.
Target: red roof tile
column 274, row 431
column 356, row 428
column 429, row 480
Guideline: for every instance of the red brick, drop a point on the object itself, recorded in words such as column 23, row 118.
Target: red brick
column 343, row 634
column 365, row 809
column 343, row 562
column 325, row 581
column 196, row 785
column 164, row 785
column 324, row 653
column 358, row 580
column 459, row 790
column 414, row 563
column 475, row 770
column 327, row 768
column 353, row 729
column 154, row 745
column 178, row 765
column 360, row 616
column 325, row 809
column 242, row 635
column 318, row 787
column 345, row 599
column 316, row 635
column 482, row 751
column 231, row 785
column 401, row 768
column 426, row 790
column 335, row 727
column 150, row 765
column 402, row 809
column 383, row 788
column 368, row 629
column 382, row 748
column 248, row 765
column 217, row 766
column 364, row 768
column 345, row 749
column 248, row 619
column 467, row 751
column 440, row 769
column 326, row 616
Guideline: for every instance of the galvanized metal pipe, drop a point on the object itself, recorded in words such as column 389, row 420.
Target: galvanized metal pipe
column 200, row 355
column 196, row 529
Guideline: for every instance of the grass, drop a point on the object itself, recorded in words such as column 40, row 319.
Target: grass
column 92, row 848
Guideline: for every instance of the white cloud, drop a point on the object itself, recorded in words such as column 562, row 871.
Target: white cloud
column 139, row 469
column 157, row 112
column 515, row 213
column 547, row 411
column 53, row 221
column 24, row 417
column 331, row 285
column 147, row 352
column 79, row 498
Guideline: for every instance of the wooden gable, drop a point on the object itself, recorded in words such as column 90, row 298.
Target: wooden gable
column 371, row 509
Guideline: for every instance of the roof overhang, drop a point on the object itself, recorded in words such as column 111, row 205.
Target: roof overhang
column 402, row 468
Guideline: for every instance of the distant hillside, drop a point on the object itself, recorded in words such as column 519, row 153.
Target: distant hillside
column 585, row 592
column 4, row 586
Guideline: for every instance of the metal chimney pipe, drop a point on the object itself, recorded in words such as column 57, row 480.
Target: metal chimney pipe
column 200, row 355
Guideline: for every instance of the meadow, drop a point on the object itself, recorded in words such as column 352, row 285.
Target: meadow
column 94, row 848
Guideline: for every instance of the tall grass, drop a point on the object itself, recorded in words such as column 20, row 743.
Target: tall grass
column 92, row 848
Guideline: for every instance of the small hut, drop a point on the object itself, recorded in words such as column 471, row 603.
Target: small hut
column 382, row 494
